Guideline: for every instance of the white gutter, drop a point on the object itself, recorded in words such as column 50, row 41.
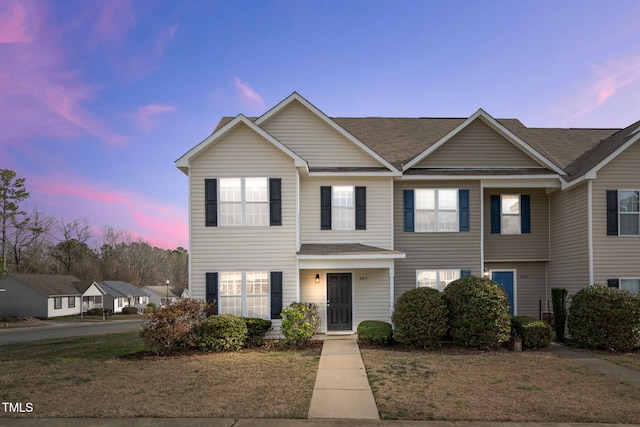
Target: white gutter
column 590, row 228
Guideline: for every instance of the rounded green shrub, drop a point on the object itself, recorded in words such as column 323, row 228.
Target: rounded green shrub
column 224, row 332
column 478, row 312
column 256, row 331
column 420, row 318
column 300, row 322
column 129, row 310
column 607, row 318
column 534, row 333
column 375, row 332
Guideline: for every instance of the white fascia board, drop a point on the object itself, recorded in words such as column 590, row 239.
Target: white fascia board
column 592, row 173
column 333, row 263
column 372, row 174
column 295, row 96
column 492, row 123
column 522, row 182
column 552, row 179
column 354, row 256
column 183, row 163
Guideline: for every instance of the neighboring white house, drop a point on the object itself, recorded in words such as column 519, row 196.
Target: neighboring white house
column 39, row 295
column 120, row 294
column 92, row 295
column 158, row 294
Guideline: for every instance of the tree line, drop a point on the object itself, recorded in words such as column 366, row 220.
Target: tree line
column 32, row 242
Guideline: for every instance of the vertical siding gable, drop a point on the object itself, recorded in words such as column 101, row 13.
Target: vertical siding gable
column 314, row 140
column 478, row 146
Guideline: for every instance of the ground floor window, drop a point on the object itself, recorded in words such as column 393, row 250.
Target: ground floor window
column 632, row 285
column 57, row 302
column 71, row 302
column 244, row 294
column 436, row 279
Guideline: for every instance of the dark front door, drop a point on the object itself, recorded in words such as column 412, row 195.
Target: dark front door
column 339, row 308
column 506, row 279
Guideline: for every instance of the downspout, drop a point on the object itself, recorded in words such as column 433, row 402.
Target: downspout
column 482, row 228
column 190, row 252
column 590, row 228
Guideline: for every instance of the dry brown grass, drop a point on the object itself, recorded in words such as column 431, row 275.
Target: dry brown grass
column 74, row 378
column 495, row 386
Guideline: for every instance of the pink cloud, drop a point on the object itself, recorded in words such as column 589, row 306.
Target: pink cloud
column 115, row 21
column 248, row 95
column 160, row 223
column 146, row 115
column 14, row 27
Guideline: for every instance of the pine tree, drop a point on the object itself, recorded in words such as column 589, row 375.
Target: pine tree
column 12, row 192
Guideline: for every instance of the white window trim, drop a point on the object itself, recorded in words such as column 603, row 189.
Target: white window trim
column 518, row 215
column 56, row 305
column 436, row 210
column 243, row 202
column 620, row 213
column 70, row 301
column 438, row 272
column 626, row 278
column 352, row 209
column 243, row 292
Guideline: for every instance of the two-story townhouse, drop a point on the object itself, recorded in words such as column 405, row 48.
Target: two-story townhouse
column 349, row 213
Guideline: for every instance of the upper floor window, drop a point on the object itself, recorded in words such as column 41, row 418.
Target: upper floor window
column 343, row 207
column 243, row 202
column 629, row 212
column 436, row 210
column 510, row 214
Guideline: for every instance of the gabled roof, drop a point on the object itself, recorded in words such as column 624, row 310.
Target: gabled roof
column 161, row 291
column 496, row 126
column 82, row 287
column 183, row 162
column 329, row 121
column 47, row 284
column 119, row 289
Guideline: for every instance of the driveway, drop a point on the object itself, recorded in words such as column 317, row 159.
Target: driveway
column 62, row 329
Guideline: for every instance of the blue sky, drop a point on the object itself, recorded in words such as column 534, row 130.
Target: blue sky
column 98, row 98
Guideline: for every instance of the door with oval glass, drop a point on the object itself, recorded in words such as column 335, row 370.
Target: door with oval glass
column 339, row 304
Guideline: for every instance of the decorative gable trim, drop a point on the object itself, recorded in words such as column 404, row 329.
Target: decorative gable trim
column 183, row 162
column 496, row 126
column 295, row 96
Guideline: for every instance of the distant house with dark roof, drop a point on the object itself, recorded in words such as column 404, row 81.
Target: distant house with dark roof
column 159, row 294
column 39, row 295
column 119, row 294
column 350, row 213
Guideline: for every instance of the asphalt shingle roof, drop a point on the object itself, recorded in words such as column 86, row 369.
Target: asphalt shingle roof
column 49, row 284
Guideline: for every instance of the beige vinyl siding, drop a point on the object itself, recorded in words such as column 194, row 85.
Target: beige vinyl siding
column 370, row 293
column 569, row 264
column 615, row 256
column 435, row 251
column 314, row 140
column 215, row 249
column 518, row 247
column 478, row 145
column 531, row 286
column 379, row 221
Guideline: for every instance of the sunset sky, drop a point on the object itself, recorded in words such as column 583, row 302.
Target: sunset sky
column 98, row 98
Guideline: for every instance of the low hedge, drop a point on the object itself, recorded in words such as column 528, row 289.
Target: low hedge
column 129, row 310
column 605, row 318
column 256, row 331
column 534, row 333
column 224, row 332
column 375, row 332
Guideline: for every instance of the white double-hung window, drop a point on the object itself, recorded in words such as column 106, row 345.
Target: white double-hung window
column 510, row 214
column 436, row 210
column 244, row 294
column 244, row 201
column 436, row 279
column 632, row 285
column 629, row 211
column 343, row 208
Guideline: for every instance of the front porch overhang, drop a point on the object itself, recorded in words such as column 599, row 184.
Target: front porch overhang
column 346, row 255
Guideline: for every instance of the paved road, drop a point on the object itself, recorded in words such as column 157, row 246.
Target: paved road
column 62, row 329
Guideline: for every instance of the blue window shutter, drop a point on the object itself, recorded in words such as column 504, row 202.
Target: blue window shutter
column 612, row 212
column 613, row 283
column 525, row 214
column 361, row 208
column 211, row 202
column 495, row 214
column 276, row 294
column 212, row 289
column 465, row 273
column 409, row 213
column 463, row 203
column 275, row 201
column 325, row 208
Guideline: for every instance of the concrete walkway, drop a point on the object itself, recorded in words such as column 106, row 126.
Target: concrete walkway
column 600, row 365
column 342, row 388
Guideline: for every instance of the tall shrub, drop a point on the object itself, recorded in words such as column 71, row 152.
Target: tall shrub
column 172, row 328
column 559, row 300
column 300, row 322
column 420, row 318
column 605, row 318
column 478, row 312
